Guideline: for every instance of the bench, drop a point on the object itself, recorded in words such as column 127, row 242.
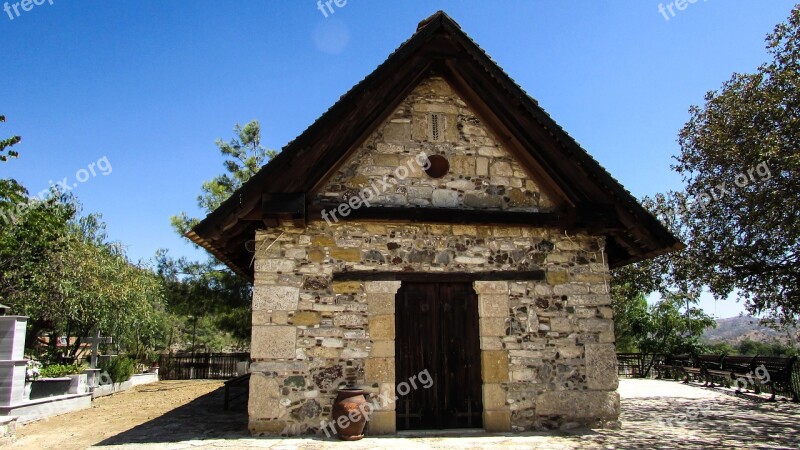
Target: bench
column 779, row 369
column 700, row 367
column 731, row 368
column 672, row 366
column 749, row 368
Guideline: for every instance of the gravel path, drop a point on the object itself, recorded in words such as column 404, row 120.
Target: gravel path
column 656, row 414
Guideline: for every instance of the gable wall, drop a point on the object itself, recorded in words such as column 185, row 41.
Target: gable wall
column 483, row 175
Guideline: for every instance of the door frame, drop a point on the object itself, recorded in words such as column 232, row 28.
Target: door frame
column 379, row 365
column 438, row 334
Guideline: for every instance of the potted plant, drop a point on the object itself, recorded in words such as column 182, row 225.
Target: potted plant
column 152, row 357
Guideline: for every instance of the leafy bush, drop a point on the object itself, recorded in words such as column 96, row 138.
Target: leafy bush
column 119, row 369
column 61, row 370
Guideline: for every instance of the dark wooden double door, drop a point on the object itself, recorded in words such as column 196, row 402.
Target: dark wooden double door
column 437, row 334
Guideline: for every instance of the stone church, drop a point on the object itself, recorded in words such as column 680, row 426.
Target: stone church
column 437, row 239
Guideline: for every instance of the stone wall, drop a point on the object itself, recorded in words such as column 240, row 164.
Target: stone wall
column 547, row 346
column 482, row 175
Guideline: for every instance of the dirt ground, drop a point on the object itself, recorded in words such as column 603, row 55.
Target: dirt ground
column 169, row 409
column 178, row 415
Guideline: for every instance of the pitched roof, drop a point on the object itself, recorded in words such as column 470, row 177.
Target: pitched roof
column 439, row 47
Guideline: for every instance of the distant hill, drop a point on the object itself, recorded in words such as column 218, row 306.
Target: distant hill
column 736, row 329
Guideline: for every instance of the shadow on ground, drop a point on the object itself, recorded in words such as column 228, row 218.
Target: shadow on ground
column 649, row 421
column 203, row 418
column 658, row 422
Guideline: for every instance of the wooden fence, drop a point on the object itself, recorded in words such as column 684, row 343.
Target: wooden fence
column 208, row 366
column 634, row 365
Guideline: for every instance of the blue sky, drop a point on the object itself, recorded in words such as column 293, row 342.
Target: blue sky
column 150, row 85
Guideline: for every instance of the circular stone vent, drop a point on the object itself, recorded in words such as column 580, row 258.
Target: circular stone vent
column 439, row 166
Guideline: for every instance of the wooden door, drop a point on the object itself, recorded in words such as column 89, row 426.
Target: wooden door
column 437, row 334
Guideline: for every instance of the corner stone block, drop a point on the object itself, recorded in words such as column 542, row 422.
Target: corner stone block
column 274, row 342
column 497, row 421
column 494, row 366
column 382, row 349
column 261, row 317
column 275, row 298
column 265, row 408
column 601, row 367
column 282, row 368
column 494, row 397
column 265, row 395
column 492, row 327
column 382, row 423
column 382, row 287
column 386, row 391
column 491, row 287
column 379, row 370
column 493, row 305
column 380, row 304
column 381, row 327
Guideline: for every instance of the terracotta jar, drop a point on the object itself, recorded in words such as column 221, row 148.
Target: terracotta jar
column 350, row 402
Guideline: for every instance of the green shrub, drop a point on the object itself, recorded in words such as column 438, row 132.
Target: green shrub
column 119, row 369
column 60, row 370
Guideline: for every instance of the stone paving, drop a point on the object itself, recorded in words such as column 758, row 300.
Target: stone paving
column 655, row 414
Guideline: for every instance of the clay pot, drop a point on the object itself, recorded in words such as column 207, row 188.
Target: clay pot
column 350, row 402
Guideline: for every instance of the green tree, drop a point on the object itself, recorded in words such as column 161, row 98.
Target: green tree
column 201, row 290
column 659, row 329
column 58, row 268
column 630, row 314
column 774, row 348
column 244, row 156
column 6, row 144
column 720, row 348
column 667, row 330
column 209, row 289
column 739, row 160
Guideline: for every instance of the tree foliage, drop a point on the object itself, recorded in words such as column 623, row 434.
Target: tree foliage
column 207, row 296
column 775, row 348
column 243, row 157
column 740, row 164
column 6, row 144
column 206, row 303
column 741, row 148
column 58, row 268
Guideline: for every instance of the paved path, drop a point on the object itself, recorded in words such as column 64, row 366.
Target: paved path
column 656, row 414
